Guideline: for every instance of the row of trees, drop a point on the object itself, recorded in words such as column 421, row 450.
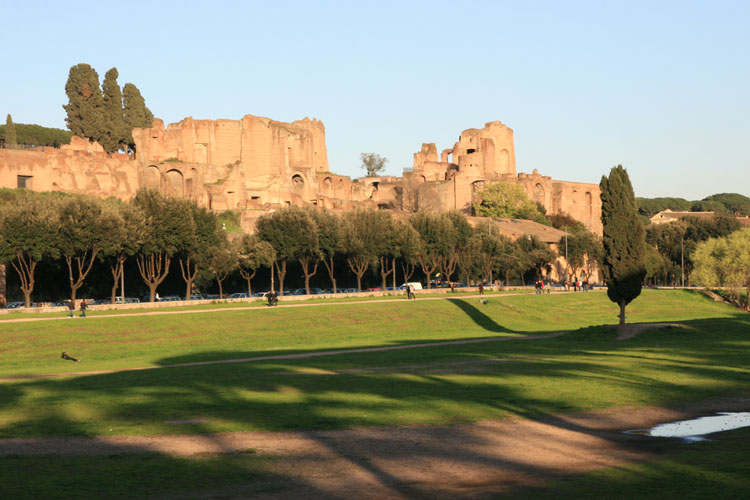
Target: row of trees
column 15, row 134
column 156, row 231
column 725, row 262
column 729, row 203
column 105, row 114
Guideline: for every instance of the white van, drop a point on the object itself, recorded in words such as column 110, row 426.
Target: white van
column 416, row 285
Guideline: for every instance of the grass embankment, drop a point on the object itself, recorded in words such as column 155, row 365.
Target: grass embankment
column 584, row 370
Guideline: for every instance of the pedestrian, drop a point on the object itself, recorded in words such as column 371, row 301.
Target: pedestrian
column 566, row 285
column 71, row 308
column 585, row 285
column 412, row 295
column 69, row 358
column 453, row 287
column 549, row 287
column 481, row 288
column 575, row 283
column 84, row 306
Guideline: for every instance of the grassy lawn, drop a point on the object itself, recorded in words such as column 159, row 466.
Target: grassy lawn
column 585, row 369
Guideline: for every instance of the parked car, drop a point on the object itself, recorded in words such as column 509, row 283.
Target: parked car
column 15, row 305
column 170, row 298
column 238, row 295
column 374, row 289
column 259, row 294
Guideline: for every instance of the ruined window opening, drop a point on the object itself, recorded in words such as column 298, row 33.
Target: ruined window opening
column 255, row 197
column 24, row 181
column 469, row 151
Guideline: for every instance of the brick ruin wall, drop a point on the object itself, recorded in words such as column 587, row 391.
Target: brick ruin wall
column 257, row 164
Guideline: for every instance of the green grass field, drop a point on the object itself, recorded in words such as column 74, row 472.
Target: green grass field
column 586, row 369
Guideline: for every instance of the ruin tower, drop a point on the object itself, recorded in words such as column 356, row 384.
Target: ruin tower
column 488, row 151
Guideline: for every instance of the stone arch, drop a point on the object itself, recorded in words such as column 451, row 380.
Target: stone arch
column 588, row 200
column 151, row 177
column 328, row 187
column 539, row 193
column 175, row 183
column 504, row 160
column 574, row 198
column 299, row 184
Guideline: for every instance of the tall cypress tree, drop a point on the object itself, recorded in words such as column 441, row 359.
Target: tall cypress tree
column 118, row 133
column 87, row 116
column 623, row 238
column 135, row 112
column 11, row 140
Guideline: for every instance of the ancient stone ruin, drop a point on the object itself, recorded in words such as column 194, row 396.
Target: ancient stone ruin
column 257, row 164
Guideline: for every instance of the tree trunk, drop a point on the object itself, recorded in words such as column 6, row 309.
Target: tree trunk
column 247, row 276
column 281, row 270
column 188, row 276
column 25, row 270
column 622, row 312
column 358, row 267
column 393, row 267
column 329, row 268
column 221, row 289
column 153, row 268
column 117, row 271
column 384, row 271
column 84, row 265
column 305, row 263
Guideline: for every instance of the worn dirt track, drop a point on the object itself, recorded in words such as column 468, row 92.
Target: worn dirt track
column 456, row 462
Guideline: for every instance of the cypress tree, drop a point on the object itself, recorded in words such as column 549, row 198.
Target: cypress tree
column 10, row 133
column 118, row 133
column 135, row 112
column 87, row 116
column 623, row 238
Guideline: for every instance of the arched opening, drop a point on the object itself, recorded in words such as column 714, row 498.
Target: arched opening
column 588, row 199
column 151, row 177
column 539, row 193
column 328, row 187
column 298, row 184
column 175, row 185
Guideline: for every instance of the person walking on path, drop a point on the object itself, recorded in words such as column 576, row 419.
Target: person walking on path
column 481, row 288
column 84, row 306
column 71, row 308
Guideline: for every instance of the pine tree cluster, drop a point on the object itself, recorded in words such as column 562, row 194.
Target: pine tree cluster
column 104, row 114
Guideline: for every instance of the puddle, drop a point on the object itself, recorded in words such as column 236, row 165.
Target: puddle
column 694, row 430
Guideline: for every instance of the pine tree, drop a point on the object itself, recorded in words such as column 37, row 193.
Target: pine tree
column 135, row 112
column 10, row 133
column 623, row 238
column 87, row 116
column 118, row 132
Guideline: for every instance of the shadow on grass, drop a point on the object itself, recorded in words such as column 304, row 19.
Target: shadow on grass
column 543, row 381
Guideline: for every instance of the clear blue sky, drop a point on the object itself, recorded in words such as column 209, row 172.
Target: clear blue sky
column 661, row 87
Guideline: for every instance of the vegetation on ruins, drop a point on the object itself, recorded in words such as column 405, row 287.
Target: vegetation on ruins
column 623, row 239
column 104, row 114
column 725, row 262
column 505, row 199
column 373, row 163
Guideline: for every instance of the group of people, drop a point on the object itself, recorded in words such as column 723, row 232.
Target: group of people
column 410, row 291
column 540, row 287
column 272, row 298
column 577, row 285
column 72, row 308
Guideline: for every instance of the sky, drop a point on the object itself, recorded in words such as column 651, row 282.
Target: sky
column 660, row 87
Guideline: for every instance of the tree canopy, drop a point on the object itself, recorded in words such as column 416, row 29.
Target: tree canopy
column 36, row 135
column 623, row 239
column 11, row 140
column 505, row 199
column 373, row 163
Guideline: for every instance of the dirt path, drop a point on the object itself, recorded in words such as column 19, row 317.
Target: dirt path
column 458, row 462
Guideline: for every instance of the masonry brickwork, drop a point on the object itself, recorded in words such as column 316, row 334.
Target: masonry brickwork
column 257, row 164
